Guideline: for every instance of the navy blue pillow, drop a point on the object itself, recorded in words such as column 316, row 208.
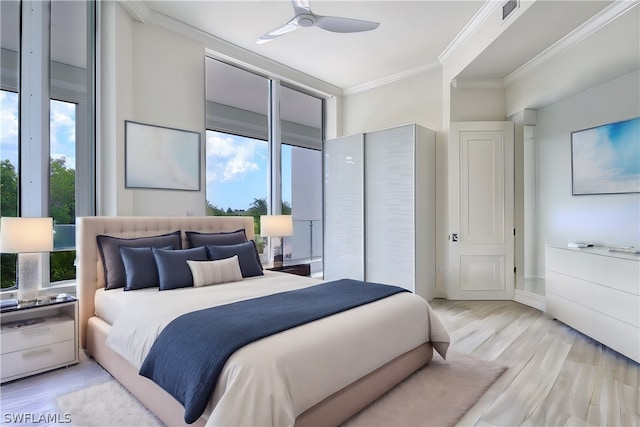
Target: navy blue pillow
column 247, row 256
column 195, row 238
column 109, row 246
column 139, row 267
column 173, row 270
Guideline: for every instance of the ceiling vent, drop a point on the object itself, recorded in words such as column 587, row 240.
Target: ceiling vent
column 508, row 8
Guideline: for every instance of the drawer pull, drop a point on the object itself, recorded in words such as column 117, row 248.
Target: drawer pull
column 36, row 353
column 36, row 331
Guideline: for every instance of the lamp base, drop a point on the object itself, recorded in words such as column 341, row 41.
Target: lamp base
column 29, row 276
column 277, row 261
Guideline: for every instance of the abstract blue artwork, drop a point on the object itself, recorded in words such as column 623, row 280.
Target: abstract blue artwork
column 606, row 159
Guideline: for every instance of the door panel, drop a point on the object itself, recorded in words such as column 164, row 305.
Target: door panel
column 481, row 208
column 482, row 273
column 482, row 183
column 343, row 255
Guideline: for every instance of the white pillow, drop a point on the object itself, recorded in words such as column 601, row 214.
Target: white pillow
column 207, row 273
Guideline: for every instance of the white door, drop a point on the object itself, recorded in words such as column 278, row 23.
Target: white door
column 481, row 211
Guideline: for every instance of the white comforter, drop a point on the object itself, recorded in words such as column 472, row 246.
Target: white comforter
column 272, row 381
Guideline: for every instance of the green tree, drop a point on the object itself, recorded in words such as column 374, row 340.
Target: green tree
column 63, row 197
column 8, row 189
column 8, row 207
column 62, row 208
column 214, row 210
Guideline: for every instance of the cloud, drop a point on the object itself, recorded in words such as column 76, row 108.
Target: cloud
column 62, row 138
column 231, row 157
column 69, row 162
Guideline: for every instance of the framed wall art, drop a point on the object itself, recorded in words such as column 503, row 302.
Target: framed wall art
column 606, row 159
column 161, row 157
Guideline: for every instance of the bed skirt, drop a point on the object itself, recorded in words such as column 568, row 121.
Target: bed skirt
column 333, row 410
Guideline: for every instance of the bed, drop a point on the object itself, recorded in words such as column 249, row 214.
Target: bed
column 320, row 373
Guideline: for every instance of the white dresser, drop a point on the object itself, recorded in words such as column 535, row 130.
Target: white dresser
column 596, row 292
column 37, row 338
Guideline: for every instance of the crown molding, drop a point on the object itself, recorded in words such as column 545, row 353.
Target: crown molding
column 589, row 27
column 136, row 9
column 229, row 52
column 390, row 79
column 478, row 83
column 469, row 29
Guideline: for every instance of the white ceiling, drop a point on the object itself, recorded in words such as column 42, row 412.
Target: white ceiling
column 411, row 36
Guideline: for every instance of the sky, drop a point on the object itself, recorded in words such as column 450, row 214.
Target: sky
column 237, row 170
column 62, row 124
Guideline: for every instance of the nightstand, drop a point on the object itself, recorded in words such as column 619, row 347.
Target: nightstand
column 299, row 269
column 38, row 336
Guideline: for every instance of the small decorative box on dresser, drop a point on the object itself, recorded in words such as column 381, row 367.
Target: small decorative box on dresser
column 38, row 336
column 596, row 292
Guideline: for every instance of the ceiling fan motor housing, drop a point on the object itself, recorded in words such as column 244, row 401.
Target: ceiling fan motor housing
column 306, row 20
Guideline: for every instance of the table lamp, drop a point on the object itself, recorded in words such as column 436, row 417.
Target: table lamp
column 27, row 237
column 276, row 226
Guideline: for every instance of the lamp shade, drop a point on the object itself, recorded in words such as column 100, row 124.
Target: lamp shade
column 276, row 225
column 25, row 235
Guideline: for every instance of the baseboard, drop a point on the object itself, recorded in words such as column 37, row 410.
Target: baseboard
column 530, row 299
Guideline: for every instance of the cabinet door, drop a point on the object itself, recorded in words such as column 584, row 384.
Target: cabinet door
column 343, row 208
column 389, row 206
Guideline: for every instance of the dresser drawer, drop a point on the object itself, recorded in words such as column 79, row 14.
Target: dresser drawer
column 35, row 359
column 621, row 274
column 50, row 330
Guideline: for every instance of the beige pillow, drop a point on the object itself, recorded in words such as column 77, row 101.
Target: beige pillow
column 207, row 273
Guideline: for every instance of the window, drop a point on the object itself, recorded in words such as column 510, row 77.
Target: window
column 8, row 176
column 236, row 177
column 62, row 189
column 302, row 195
column 301, row 124
column 254, row 160
column 56, row 175
column 9, row 124
column 237, row 159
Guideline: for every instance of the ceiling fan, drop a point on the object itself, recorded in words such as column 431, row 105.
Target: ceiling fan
column 304, row 17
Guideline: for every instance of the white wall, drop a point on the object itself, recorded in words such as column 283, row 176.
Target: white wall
column 477, row 104
column 417, row 99
column 154, row 76
column 600, row 219
column 608, row 53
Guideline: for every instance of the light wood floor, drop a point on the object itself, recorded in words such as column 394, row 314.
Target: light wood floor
column 555, row 377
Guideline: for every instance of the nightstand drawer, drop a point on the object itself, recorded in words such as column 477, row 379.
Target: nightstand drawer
column 299, row 269
column 18, row 336
column 35, row 359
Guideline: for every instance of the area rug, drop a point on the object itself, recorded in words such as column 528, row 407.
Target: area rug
column 437, row 395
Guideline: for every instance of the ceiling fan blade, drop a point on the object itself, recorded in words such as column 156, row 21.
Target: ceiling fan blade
column 277, row 32
column 337, row 24
column 301, row 6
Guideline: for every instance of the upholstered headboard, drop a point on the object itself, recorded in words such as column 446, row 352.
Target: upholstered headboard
column 90, row 272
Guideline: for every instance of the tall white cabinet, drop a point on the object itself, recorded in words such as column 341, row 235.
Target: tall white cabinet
column 379, row 208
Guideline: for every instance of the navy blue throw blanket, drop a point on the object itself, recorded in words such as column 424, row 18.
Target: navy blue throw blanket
column 188, row 355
